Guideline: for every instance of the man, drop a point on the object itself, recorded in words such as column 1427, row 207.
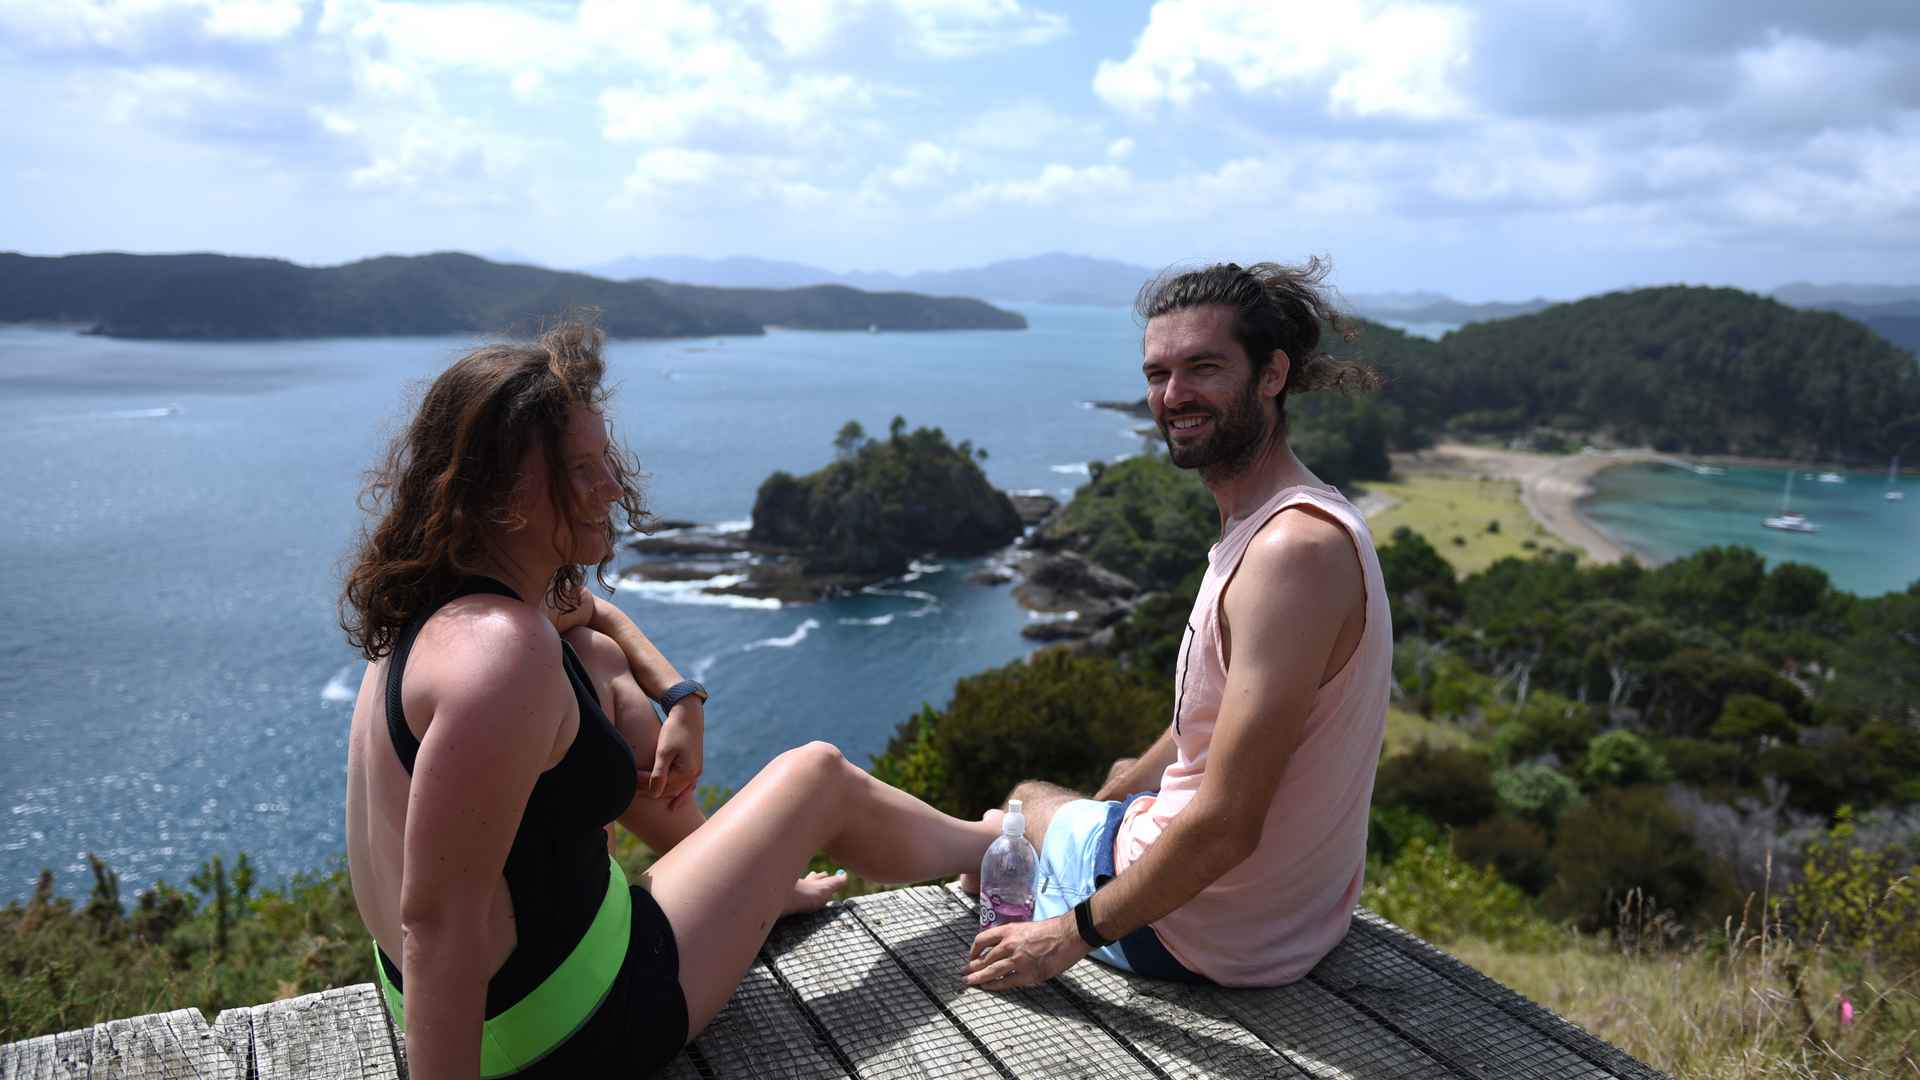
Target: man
column 1239, row 860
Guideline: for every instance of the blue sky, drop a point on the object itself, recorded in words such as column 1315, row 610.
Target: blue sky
column 1487, row 150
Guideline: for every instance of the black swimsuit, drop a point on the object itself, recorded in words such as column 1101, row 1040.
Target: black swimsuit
column 556, row 874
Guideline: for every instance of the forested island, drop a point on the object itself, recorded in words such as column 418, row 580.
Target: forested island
column 864, row 518
column 1680, row 369
column 227, row 297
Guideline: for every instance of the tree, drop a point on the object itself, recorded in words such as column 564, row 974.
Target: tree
column 848, row 442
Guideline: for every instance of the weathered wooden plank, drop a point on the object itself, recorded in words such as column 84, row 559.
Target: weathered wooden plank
column 878, row 1017
column 162, row 1046
column 339, row 1034
column 1448, row 1022
column 762, row 1032
column 1037, row 1031
column 235, row 1026
column 49, row 1057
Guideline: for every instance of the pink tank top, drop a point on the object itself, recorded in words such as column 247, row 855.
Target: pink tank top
column 1270, row 919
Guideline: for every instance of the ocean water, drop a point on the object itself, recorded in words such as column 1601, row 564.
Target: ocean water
column 173, row 681
column 1867, row 544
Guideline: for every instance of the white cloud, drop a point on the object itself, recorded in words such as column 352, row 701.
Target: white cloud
column 1120, row 149
column 925, row 164
column 1366, row 58
column 136, row 25
column 1054, row 183
column 254, row 20
column 945, row 29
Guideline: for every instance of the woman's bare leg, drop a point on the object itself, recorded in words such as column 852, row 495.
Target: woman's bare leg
column 723, row 886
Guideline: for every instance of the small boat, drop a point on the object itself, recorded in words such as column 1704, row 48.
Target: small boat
column 1832, row 478
column 1789, row 520
column 1707, row 470
column 1894, row 494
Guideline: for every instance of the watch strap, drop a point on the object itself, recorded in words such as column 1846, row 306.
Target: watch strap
column 1083, row 921
column 680, row 691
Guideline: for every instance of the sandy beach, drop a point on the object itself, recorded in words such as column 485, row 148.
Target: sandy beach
column 1551, row 485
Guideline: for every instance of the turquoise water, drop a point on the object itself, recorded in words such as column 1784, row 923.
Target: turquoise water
column 172, row 517
column 1867, row 544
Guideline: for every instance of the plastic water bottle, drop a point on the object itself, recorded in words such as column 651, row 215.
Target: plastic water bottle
column 1006, row 873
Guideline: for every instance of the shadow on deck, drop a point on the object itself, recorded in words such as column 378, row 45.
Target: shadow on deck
column 871, row 988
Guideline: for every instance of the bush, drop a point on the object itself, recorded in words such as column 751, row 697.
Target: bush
column 1623, row 759
column 1861, row 896
column 1437, row 895
column 1704, row 763
column 1391, row 828
column 1537, row 793
column 1056, row 716
column 1545, row 724
column 1620, row 841
column 1753, row 720
column 1517, row 850
column 1450, row 786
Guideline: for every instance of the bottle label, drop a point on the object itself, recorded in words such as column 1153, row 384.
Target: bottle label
column 997, row 910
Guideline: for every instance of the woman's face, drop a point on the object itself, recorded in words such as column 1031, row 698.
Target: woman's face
column 593, row 490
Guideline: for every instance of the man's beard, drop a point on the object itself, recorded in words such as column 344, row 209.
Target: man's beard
column 1235, row 441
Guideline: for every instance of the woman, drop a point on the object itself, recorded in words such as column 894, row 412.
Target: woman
column 491, row 747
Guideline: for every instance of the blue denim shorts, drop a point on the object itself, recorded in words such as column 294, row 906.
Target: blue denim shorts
column 1076, row 858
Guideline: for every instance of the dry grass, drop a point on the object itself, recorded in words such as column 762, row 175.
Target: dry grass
column 1444, row 505
column 1747, row 1004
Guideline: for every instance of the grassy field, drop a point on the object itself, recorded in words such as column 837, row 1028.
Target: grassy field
column 1472, row 522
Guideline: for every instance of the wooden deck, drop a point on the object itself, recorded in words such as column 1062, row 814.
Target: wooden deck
column 871, row 988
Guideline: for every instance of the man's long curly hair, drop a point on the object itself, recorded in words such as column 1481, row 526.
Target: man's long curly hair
column 446, row 483
column 1275, row 306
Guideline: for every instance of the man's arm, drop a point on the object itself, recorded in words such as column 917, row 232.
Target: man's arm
column 1141, row 773
column 1297, row 585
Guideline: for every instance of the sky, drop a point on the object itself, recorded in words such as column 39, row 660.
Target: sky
column 1497, row 150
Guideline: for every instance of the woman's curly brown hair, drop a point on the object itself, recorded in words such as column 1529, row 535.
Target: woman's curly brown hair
column 446, row 482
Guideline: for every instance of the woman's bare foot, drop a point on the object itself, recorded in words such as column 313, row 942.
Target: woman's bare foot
column 812, row 892
column 970, row 882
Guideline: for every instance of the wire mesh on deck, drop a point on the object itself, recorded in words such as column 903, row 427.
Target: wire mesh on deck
column 1456, row 1027
column 877, row 1017
column 1577, row 1039
column 1038, row 1031
column 1325, row 1036
column 1181, row 1030
column 762, row 1033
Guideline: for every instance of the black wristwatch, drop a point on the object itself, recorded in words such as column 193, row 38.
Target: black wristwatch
column 1083, row 921
column 681, row 691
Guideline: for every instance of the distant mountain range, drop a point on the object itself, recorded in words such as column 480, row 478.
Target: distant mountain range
column 1893, row 311
column 220, row 296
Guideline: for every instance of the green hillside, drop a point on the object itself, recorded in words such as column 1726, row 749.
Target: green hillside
column 1689, row 370
column 220, row 296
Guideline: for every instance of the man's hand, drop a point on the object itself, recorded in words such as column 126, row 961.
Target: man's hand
column 1024, row 954
column 677, row 760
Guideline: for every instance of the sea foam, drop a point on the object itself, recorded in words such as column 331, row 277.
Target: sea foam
column 799, row 635
column 342, row 687
column 695, row 592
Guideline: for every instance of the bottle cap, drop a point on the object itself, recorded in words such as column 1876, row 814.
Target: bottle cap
column 1015, row 823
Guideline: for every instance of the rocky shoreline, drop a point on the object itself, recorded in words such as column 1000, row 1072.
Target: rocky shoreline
column 1069, row 597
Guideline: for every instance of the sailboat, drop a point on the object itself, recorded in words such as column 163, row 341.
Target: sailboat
column 1894, row 494
column 1789, row 520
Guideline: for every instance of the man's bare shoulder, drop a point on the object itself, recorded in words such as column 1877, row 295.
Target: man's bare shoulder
column 1304, row 543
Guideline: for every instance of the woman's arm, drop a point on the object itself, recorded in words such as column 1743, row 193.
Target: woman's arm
column 497, row 694
column 679, row 757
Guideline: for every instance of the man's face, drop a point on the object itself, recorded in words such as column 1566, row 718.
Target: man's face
column 1209, row 404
